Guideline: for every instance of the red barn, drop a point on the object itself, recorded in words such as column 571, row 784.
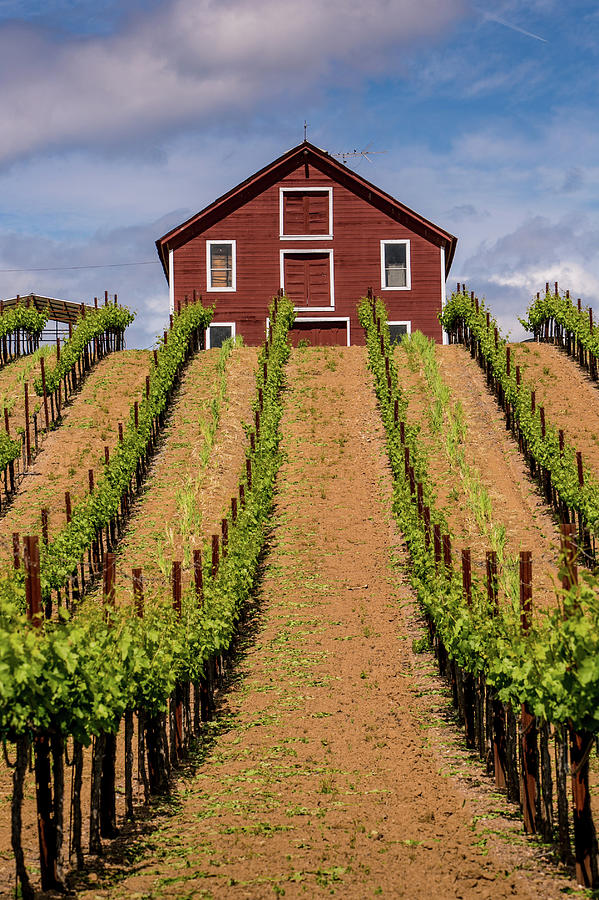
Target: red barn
column 309, row 225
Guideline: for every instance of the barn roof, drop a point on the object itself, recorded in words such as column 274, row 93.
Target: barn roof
column 58, row 310
column 304, row 153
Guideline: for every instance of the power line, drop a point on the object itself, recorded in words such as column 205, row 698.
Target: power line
column 147, row 262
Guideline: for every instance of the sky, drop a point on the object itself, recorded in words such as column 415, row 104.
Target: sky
column 118, row 120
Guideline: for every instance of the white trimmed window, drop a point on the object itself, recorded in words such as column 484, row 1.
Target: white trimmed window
column 221, row 265
column 398, row 330
column 395, row 266
column 306, row 213
column 218, row 332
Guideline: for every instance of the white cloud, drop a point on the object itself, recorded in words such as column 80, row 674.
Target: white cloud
column 196, row 61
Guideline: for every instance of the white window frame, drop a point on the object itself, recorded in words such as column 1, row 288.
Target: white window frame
column 304, row 237
column 171, row 280
column 345, row 319
column 406, row 322
column 408, row 284
column 284, row 253
column 221, row 290
column 443, row 291
column 230, row 325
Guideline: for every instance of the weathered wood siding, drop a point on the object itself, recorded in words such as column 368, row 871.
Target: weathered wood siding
column 358, row 228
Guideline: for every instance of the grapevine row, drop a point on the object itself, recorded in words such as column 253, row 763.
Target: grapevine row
column 503, row 664
column 95, row 334
column 20, row 325
column 555, row 318
column 81, row 675
column 567, row 485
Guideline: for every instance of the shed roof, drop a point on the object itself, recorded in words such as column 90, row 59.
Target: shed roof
column 304, row 153
column 58, row 310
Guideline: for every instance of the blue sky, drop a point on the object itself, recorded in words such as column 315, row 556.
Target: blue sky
column 120, row 119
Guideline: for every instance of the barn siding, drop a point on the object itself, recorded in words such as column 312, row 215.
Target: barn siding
column 358, row 228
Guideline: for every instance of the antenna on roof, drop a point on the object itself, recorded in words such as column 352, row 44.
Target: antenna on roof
column 349, row 154
column 305, row 130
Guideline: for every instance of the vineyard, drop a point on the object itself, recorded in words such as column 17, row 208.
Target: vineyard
column 300, row 622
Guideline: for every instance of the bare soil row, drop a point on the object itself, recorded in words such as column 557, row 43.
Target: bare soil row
column 493, row 455
column 89, row 424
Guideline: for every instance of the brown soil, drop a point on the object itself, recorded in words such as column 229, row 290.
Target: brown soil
column 159, row 531
column 493, row 454
column 570, row 397
column 12, row 379
column 89, row 423
column 318, row 775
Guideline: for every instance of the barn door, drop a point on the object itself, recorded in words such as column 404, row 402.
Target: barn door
column 307, row 279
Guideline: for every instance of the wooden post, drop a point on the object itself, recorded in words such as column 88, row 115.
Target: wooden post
column 198, row 576
column 542, row 415
column 447, row 560
column 16, row 550
column 233, row 510
column 147, row 386
column 27, row 431
column 395, row 411
column 45, row 526
column 215, row 555
column 427, row 526
column 518, row 376
column 508, row 354
column 529, row 749
column 67, row 505
column 45, row 393
column 467, row 576
column 498, row 736
column 90, row 478
column 106, row 454
column 579, row 467
column 155, row 358
column 241, row 494
column 109, row 579
column 138, row 592
column 136, row 414
column 248, row 472
column 561, row 442
column 569, row 552
column 492, row 582
column 176, row 585
column 33, row 586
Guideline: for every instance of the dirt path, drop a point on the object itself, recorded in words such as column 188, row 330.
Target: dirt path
column 490, row 450
column 317, row 777
column 570, row 397
column 187, row 492
column 89, row 423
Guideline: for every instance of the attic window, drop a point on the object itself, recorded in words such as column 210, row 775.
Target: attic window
column 306, row 213
column 395, row 266
column 221, row 265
